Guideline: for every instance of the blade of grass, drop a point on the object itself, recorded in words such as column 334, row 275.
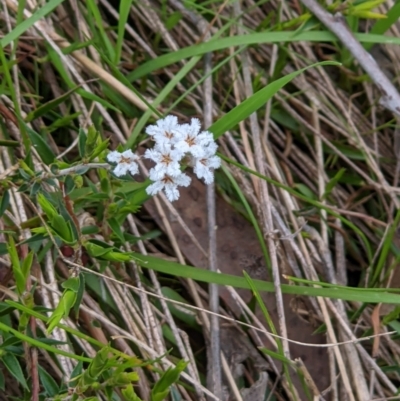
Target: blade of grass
column 338, row 292
column 251, row 39
column 29, row 22
column 253, row 103
column 124, row 8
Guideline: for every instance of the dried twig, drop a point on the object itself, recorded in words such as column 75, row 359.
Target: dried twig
column 337, row 25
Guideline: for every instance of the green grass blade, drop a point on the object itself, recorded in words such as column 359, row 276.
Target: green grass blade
column 29, row 22
column 253, row 103
column 124, row 7
column 381, row 26
column 246, row 40
column 206, row 276
column 41, row 345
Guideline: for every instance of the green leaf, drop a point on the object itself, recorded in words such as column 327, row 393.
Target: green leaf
column 72, row 284
column 23, row 26
column 116, row 229
column 63, row 229
column 2, row 381
column 129, row 393
column 107, row 253
column 67, row 301
column 52, row 104
column 5, row 202
column 49, row 384
column 79, row 294
column 8, row 143
column 82, row 142
column 383, row 25
column 98, row 363
column 92, row 139
column 5, row 328
column 333, row 182
column 277, row 356
column 368, row 295
column 124, row 10
column 13, row 366
column 304, row 190
column 248, row 39
column 43, row 149
column 27, row 264
column 253, row 103
column 16, row 266
column 161, row 389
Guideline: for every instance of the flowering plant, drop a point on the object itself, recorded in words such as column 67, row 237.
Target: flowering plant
column 174, row 143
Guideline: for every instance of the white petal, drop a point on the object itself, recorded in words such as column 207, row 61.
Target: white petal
column 157, row 173
column 133, row 168
column 208, row 176
column 214, row 162
column 170, row 122
column 171, row 191
column 205, row 138
column 195, row 126
column 128, row 154
column 173, row 169
column 210, row 149
column 114, row 156
column 152, row 130
column 183, row 180
column 152, row 154
column 121, row 169
column 155, row 188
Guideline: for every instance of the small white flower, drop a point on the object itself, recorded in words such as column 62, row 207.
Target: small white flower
column 165, row 131
column 170, row 185
column 167, row 161
column 126, row 162
column 191, row 140
column 203, row 165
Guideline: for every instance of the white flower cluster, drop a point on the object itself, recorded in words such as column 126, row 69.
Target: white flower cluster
column 126, row 161
column 173, row 142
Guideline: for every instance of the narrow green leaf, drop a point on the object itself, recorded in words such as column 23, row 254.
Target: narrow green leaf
column 79, row 294
column 16, row 266
column 66, row 303
column 26, row 265
column 253, row 103
column 3, row 382
column 249, row 39
column 39, row 344
column 161, row 389
column 13, row 366
column 45, row 153
column 5, row 202
column 49, row 384
column 116, row 229
column 129, row 393
column 381, row 26
column 29, row 22
column 9, row 143
column 82, row 142
column 277, row 356
column 124, row 9
column 49, row 210
column 72, row 284
column 52, row 104
column 333, row 182
column 63, row 229
column 369, row 295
